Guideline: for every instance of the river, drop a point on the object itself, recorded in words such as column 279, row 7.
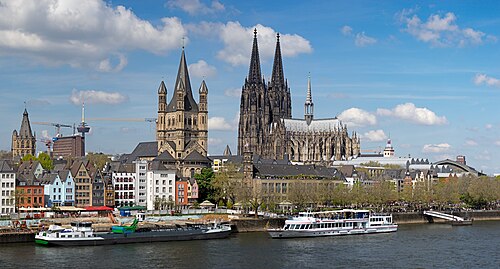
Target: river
column 413, row 246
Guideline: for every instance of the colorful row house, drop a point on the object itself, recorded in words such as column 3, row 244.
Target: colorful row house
column 59, row 189
column 7, row 188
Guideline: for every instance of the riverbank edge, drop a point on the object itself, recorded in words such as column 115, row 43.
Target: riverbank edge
column 261, row 225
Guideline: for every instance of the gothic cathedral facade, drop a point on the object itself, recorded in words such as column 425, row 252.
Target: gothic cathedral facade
column 266, row 126
column 182, row 125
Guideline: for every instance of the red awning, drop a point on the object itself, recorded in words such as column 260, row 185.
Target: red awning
column 98, row 208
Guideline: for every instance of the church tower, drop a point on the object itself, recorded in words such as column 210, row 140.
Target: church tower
column 279, row 93
column 255, row 112
column 24, row 142
column 182, row 126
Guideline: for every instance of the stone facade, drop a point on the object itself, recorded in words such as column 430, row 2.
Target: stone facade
column 182, row 125
column 267, row 128
column 24, row 142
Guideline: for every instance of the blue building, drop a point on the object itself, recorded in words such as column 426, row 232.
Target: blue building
column 59, row 189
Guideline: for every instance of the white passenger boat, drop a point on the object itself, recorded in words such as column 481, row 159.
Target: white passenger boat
column 338, row 222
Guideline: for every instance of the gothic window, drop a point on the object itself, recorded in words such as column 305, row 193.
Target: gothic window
column 189, row 121
column 168, row 122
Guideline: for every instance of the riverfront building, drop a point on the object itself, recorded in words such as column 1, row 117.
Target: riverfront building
column 7, row 188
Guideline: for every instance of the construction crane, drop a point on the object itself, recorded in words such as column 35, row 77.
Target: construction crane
column 48, row 144
column 57, row 125
column 123, row 119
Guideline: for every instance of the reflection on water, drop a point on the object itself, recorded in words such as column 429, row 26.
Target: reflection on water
column 413, row 246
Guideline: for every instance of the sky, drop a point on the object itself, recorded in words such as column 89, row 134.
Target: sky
column 423, row 73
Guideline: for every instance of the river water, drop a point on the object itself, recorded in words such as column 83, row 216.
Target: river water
column 412, row 246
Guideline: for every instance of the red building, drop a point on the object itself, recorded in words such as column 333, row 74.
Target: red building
column 29, row 195
column 181, row 192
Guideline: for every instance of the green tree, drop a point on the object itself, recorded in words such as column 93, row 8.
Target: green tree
column 28, row 157
column 45, row 161
column 205, row 188
column 224, row 183
column 99, row 160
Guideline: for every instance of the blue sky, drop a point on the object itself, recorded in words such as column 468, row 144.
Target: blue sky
column 425, row 74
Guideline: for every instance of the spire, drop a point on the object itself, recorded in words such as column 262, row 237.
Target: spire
column 227, row 151
column 162, row 89
column 254, row 75
column 278, row 77
column 25, row 131
column 183, row 84
column 309, row 106
column 203, row 87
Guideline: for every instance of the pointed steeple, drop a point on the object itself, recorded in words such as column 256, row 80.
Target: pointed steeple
column 227, row 151
column 309, row 106
column 183, row 84
column 277, row 77
column 203, row 87
column 162, row 89
column 25, row 131
column 254, row 74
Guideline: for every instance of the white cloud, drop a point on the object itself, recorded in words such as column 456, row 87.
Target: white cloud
column 220, row 124
column 89, row 33
column 202, row 69
column 410, row 112
column 471, row 142
column 97, row 97
column 375, row 136
column 194, row 7
column 363, row 40
column 441, row 30
column 237, row 41
column 107, row 66
column 488, row 126
column 436, row 148
column 357, row 117
column 481, row 79
column 45, row 134
column 497, row 143
column 233, row 93
column 346, row 30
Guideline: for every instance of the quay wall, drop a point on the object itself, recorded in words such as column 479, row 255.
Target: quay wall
column 17, row 237
column 260, row 225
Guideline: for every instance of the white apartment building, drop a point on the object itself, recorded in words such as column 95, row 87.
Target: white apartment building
column 7, row 188
column 141, row 169
column 124, row 184
column 160, row 184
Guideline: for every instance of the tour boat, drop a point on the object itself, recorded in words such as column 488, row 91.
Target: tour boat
column 82, row 234
column 338, row 222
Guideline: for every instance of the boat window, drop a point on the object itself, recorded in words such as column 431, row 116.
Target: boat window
column 69, row 235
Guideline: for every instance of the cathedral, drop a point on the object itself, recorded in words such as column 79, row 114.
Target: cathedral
column 24, row 142
column 266, row 126
column 182, row 125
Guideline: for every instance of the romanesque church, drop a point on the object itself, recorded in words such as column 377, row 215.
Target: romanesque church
column 266, row 126
column 182, row 125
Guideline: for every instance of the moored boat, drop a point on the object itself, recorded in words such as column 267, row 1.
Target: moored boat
column 82, row 234
column 338, row 222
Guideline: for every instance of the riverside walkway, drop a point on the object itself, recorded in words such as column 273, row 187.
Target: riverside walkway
column 441, row 215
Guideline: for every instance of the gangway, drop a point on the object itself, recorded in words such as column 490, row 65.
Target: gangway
column 445, row 216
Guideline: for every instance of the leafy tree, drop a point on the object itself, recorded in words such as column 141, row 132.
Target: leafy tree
column 224, row 183
column 28, row 157
column 99, row 160
column 45, row 161
column 205, row 188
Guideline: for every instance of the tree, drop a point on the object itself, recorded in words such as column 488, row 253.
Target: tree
column 28, row 157
column 224, row 183
column 99, row 160
column 45, row 161
column 205, row 188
